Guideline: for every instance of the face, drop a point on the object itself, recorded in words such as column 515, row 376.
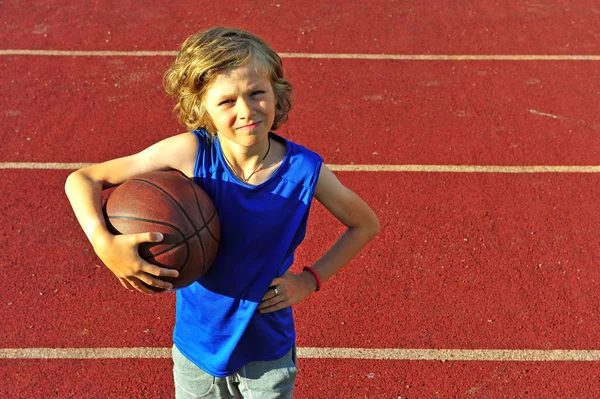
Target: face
column 241, row 104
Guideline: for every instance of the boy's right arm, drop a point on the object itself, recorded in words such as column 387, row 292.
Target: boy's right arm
column 119, row 253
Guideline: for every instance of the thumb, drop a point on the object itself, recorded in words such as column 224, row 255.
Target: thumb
column 148, row 237
column 156, row 237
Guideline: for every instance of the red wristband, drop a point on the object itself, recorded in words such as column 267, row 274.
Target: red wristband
column 314, row 273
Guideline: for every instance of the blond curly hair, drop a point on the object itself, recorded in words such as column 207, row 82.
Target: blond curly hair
column 204, row 55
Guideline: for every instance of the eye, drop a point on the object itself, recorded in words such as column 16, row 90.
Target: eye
column 225, row 102
column 257, row 92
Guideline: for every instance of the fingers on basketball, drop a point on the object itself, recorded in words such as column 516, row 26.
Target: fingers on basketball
column 181, row 211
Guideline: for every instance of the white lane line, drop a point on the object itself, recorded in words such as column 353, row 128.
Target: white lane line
column 451, row 354
column 530, row 355
column 85, row 353
column 534, row 112
column 395, row 57
column 447, row 57
column 87, row 53
column 468, row 168
column 43, row 165
column 369, row 168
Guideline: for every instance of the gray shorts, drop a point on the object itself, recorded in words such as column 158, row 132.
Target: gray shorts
column 256, row 380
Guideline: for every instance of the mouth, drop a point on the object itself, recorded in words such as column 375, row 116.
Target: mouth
column 249, row 126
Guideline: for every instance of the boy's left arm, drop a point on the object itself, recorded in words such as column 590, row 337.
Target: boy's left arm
column 362, row 225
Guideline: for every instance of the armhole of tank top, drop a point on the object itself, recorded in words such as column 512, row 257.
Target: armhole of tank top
column 201, row 147
column 317, row 173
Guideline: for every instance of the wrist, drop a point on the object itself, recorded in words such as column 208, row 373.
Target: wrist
column 315, row 277
column 100, row 237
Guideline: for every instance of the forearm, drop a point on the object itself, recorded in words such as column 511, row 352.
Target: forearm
column 291, row 288
column 343, row 251
column 85, row 196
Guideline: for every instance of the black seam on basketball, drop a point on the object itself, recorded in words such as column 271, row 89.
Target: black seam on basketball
column 203, row 251
column 197, row 230
column 214, row 215
column 197, row 201
column 197, row 234
column 190, row 184
column 171, row 247
column 171, row 198
column 200, row 239
column 185, row 240
column 204, row 225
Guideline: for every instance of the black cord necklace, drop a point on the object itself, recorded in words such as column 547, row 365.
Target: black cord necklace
column 256, row 169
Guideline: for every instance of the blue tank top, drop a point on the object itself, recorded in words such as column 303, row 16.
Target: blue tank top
column 217, row 326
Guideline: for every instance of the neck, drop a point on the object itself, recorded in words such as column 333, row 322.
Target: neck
column 243, row 155
column 244, row 162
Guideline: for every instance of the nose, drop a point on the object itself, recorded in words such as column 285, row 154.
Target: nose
column 245, row 109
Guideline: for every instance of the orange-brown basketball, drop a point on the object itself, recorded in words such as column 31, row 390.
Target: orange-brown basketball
column 175, row 206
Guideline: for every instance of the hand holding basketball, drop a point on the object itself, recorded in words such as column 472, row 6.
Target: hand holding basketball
column 162, row 202
column 120, row 254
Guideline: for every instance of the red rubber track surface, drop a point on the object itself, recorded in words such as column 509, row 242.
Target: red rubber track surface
column 377, row 26
column 319, row 378
column 374, row 112
column 463, row 261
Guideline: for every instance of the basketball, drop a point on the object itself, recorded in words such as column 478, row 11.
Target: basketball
column 175, row 206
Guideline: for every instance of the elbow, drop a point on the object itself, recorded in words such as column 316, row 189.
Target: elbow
column 373, row 227
column 70, row 182
column 75, row 181
column 376, row 227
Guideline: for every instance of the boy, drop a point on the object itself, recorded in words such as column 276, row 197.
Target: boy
column 234, row 331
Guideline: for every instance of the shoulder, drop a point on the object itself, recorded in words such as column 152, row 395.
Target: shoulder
column 176, row 152
column 300, row 149
column 328, row 185
column 300, row 153
column 203, row 137
column 177, row 143
column 303, row 162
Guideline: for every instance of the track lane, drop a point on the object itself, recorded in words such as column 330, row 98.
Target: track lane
column 400, row 379
column 559, row 28
column 521, row 27
column 463, row 261
column 317, row 378
column 114, row 378
column 349, row 111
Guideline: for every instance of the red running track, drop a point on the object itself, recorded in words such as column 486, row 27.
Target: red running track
column 463, row 261
column 467, row 261
column 319, row 379
column 377, row 26
column 373, row 112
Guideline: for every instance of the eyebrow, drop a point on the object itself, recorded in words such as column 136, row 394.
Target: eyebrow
column 250, row 88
